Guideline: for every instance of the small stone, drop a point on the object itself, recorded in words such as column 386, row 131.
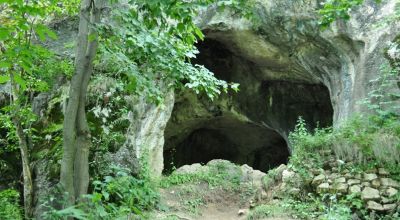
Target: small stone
column 370, row 176
column 287, row 175
column 371, row 205
column 335, row 169
column 357, row 176
column 391, row 192
column 341, row 187
column 372, row 170
column 369, row 193
column 345, row 171
column 323, row 187
column 366, row 184
column 279, row 171
column 316, row 171
column 294, row 191
column 340, row 180
column 318, row 179
column 348, row 176
column 242, row 212
column 389, row 207
column 375, row 183
column 390, row 182
column 355, row 189
column 353, row 182
column 383, row 172
column 385, row 200
column 334, row 176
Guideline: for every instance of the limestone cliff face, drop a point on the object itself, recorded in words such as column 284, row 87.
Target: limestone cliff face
column 289, row 46
column 287, row 67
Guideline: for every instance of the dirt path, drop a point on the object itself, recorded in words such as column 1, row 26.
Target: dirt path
column 225, row 199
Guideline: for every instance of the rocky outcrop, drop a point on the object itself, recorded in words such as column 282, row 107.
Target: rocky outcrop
column 289, row 46
column 145, row 136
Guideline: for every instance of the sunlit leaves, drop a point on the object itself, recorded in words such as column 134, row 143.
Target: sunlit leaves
column 152, row 44
column 43, row 32
column 337, row 9
column 4, row 79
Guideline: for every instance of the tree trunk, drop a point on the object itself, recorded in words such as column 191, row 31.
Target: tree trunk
column 74, row 176
column 26, row 170
column 23, row 146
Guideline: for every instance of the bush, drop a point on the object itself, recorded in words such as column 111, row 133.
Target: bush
column 118, row 196
column 9, row 207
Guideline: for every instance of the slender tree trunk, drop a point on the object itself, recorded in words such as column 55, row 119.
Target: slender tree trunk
column 23, row 146
column 75, row 166
column 26, row 170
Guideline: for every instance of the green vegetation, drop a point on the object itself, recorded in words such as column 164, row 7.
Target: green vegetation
column 367, row 142
column 9, row 207
column 219, row 174
column 116, row 196
column 141, row 50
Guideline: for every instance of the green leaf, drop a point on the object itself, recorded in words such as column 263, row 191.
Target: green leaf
column 199, row 33
column 4, row 34
column 4, row 79
column 5, row 64
column 42, row 31
column 92, row 37
column 181, row 27
column 20, row 81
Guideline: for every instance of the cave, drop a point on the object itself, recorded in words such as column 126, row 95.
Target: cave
column 229, row 139
column 249, row 127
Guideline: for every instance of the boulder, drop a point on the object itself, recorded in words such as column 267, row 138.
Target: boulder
column 340, row 187
column 390, row 182
column 376, row 183
column 189, row 169
column 389, row 207
column 279, row 170
column 371, row 205
column 288, row 175
column 355, row 189
column 366, row 184
column 369, row 193
column 323, row 188
column 383, row 172
column 318, row 179
column 353, row 182
column 357, row 176
column 340, row 180
column 390, row 192
column 370, row 176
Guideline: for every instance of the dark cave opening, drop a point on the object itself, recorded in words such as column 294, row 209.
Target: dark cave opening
column 229, row 139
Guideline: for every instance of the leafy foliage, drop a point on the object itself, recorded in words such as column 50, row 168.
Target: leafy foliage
column 117, row 196
column 9, row 207
column 337, row 9
column 154, row 42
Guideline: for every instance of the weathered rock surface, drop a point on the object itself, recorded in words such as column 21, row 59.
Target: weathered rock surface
column 369, row 193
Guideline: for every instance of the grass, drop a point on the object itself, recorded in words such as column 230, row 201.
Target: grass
column 264, row 211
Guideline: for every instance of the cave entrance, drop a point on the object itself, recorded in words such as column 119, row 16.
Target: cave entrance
column 249, row 127
column 230, row 139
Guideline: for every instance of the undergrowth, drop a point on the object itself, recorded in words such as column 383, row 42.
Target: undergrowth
column 118, row 195
column 219, row 174
column 9, row 207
